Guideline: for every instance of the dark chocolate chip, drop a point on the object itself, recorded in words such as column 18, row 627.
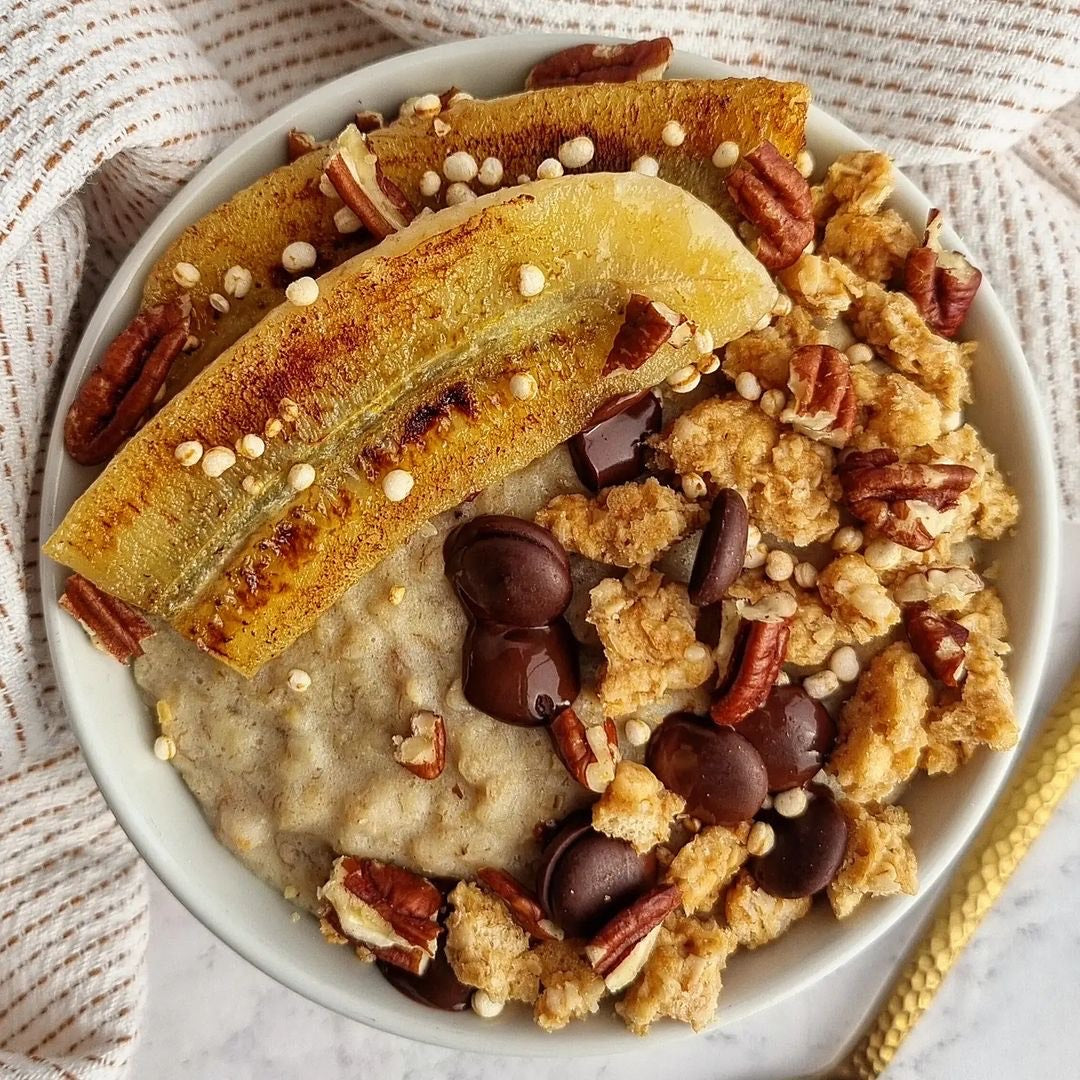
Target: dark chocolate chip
column 808, row 851
column 611, row 448
column 722, row 550
column 793, row 733
column 508, row 570
column 718, row 772
column 586, row 877
column 438, row 987
column 521, row 675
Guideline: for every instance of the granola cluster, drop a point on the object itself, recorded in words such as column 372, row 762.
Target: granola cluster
column 858, row 516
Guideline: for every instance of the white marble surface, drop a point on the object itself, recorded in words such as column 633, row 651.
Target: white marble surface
column 1008, row 1009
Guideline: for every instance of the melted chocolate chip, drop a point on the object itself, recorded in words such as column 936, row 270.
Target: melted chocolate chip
column 438, row 987
column 521, row 675
column 508, row 570
column 718, row 772
column 586, row 877
column 722, row 550
column 808, row 851
column 793, row 733
column 611, row 448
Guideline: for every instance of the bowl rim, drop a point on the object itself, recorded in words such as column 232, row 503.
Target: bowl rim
column 230, row 927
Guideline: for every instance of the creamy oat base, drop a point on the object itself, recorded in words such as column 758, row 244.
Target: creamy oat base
column 289, row 779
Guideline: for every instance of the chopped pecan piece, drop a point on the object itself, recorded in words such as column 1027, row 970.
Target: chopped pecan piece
column 354, row 171
column 367, row 120
column 823, row 403
column 943, row 284
column 771, row 193
column 423, row 753
column 522, row 905
column 590, row 754
column 386, row 908
column 939, row 642
column 621, row 947
column 902, row 500
column 756, row 659
column 298, row 143
column 119, row 392
column 636, row 62
column 114, row 627
column 648, row 325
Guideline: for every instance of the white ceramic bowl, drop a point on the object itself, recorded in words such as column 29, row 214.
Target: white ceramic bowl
column 163, row 819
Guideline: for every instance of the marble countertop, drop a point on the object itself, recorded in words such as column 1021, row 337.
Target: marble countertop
column 1008, row 1008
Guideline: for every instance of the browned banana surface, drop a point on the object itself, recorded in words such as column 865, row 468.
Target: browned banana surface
column 404, row 362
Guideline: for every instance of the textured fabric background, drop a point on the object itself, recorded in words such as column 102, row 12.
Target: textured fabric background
column 105, row 109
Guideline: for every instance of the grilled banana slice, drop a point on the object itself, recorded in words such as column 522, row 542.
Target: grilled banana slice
column 393, row 396
column 624, row 121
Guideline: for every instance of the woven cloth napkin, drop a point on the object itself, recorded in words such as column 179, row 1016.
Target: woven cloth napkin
column 106, row 107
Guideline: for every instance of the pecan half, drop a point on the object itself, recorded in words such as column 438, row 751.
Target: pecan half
column 523, row 906
column 648, row 324
column 755, row 663
column 590, row 754
column 423, row 753
column 636, row 62
column 823, row 402
column 902, row 500
column 384, row 907
column 354, row 171
column 939, row 642
column 298, row 143
column 119, row 392
column 943, row 284
column 612, row 951
column 114, row 627
column 775, row 197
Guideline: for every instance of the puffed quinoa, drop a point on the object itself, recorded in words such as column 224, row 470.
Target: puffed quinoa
column 883, row 554
column 301, row 476
column 685, row 380
column 779, row 565
column 397, row 484
column 847, row 540
column 773, row 402
column 531, row 280
column 703, row 868
column 693, row 487
column 430, row 183
column 237, row 282
column 299, row 680
column 821, row 684
column 747, row 386
column 805, row 574
column 881, row 733
column 252, row 484
column 755, row 917
column 577, row 152
column 637, row 732
column 250, row 446
column 761, row 839
column 523, row 178
column 460, row 167
column 753, row 536
column 164, row 748
column 726, row 154
column 844, row 664
column 859, row 353
column 523, row 386
column 487, row 949
column 627, row 525
column 299, row 255
column 704, row 342
column 549, row 169
column 636, row 807
column 427, row 105
column 673, row 133
column 878, row 860
column 791, row 803
column 217, row 460
column 647, row 166
column 302, row 292
column 755, row 557
column 186, row 275
column 682, row 978
column 188, row 453
column 219, row 303
column 458, row 193
column 490, row 173
column 346, row 221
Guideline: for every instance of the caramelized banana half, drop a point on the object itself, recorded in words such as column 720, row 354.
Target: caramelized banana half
column 625, row 122
column 392, row 397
